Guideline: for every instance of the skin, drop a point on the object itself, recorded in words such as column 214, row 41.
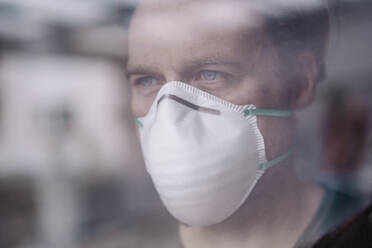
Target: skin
column 230, row 55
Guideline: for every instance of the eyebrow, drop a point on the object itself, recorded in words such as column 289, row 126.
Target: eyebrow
column 194, row 65
column 141, row 70
column 188, row 67
column 210, row 62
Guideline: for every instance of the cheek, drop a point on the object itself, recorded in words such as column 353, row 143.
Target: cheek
column 254, row 91
column 140, row 104
column 243, row 92
column 278, row 134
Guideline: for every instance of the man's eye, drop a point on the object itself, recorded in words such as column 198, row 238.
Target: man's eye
column 208, row 75
column 146, row 81
column 211, row 80
column 213, row 76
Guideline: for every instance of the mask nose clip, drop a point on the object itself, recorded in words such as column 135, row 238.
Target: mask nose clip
column 189, row 104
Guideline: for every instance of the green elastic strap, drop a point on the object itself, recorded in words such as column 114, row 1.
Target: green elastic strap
column 268, row 112
column 275, row 161
column 139, row 123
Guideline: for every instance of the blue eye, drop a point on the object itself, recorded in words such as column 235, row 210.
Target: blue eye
column 208, row 75
column 146, row 82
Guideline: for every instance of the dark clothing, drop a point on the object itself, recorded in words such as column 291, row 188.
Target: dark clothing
column 337, row 208
column 355, row 233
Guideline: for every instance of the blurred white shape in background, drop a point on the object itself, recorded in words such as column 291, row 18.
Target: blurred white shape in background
column 63, row 120
column 74, row 12
column 92, row 90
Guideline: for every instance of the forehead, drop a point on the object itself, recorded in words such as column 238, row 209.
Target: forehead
column 196, row 27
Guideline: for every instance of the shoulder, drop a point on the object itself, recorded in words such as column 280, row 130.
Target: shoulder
column 356, row 232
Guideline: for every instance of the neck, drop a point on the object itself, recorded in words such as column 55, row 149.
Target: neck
column 267, row 219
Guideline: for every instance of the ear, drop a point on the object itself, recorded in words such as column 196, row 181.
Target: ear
column 307, row 69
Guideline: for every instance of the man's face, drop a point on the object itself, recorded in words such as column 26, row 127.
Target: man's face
column 216, row 46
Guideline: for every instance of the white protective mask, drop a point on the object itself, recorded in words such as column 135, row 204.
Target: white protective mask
column 203, row 153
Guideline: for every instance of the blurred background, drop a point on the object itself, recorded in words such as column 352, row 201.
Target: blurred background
column 71, row 171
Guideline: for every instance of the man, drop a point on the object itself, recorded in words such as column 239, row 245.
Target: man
column 228, row 54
